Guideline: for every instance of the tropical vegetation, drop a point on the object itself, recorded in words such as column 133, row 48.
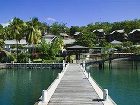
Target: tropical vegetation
column 33, row 30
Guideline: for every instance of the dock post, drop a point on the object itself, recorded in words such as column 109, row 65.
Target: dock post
column 88, row 75
column 84, row 66
column 103, row 65
column 63, row 64
column 43, row 96
column 58, row 75
column 105, row 94
column 100, row 65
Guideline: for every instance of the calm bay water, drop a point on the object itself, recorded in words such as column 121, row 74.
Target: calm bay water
column 24, row 87
column 122, row 81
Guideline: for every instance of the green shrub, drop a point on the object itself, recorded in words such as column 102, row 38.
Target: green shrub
column 8, row 57
column 23, row 57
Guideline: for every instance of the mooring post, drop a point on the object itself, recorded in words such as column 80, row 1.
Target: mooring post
column 84, row 65
column 63, row 64
column 105, row 94
column 58, row 75
column 88, row 75
column 44, row 97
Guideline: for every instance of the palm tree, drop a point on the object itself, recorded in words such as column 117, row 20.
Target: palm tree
column 43, row 28
column 16, row 30
column 1, row 44
column 33, row 33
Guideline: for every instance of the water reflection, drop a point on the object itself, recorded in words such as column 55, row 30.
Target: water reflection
column 13, row 72
column 24, row 87
column 30, row 75
column 122, row 80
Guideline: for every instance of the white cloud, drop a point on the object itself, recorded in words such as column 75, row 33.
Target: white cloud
column 5, row 24
column 51, row 19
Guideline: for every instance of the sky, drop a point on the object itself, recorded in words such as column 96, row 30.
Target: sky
column 71, row 12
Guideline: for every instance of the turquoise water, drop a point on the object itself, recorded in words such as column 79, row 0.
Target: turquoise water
column 122, row 81
column 24, row 87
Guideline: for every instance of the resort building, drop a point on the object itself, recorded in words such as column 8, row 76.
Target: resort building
column 134, row 35
column 118, row 35
column 48, row 38
column 64, row 35
column 99, row 33
column 115, row 42
column 77, row 34
column 11, row 44
column 68, row 41
column 77, row 53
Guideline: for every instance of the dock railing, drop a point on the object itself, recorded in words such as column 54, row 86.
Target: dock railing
column 47, row 94
column 102, row 93
column 33, row 65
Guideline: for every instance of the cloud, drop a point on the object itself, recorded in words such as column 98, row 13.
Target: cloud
column 5, row 24
column 51, row 19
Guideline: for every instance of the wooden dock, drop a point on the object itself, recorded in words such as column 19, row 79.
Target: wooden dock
column 75, row 88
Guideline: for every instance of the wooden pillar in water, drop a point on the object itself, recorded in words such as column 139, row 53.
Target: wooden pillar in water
column 136, row 66
column 110, row 56
column 110, row 63
column 133, row 64
column 103, row 64
column 100, row 65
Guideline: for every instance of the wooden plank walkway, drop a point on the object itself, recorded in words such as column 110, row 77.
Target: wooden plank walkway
column 74, row 89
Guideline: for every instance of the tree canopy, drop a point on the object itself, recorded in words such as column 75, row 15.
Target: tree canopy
column 33, row 30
